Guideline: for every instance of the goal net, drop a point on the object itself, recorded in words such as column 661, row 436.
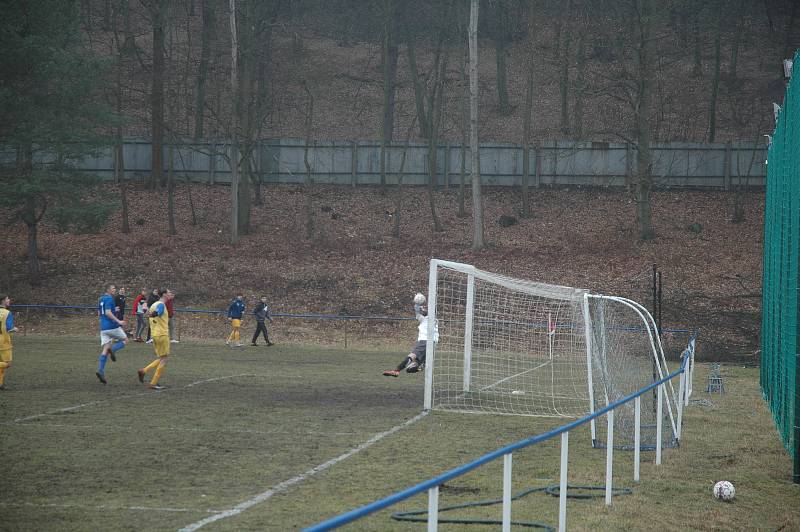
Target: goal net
column 517, row 347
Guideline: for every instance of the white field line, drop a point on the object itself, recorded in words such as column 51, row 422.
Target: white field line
column 102, row 401
column 286, row 484
column 513, row 376
column 186, row 429
column 106, row 507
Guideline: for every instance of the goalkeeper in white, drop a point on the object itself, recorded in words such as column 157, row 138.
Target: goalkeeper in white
column 415, row 360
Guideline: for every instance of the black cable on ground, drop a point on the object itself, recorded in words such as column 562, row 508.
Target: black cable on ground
column 421, row 516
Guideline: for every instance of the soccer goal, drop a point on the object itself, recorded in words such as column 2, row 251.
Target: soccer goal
column 516, row 347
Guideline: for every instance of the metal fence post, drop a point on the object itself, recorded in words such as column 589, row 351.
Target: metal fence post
column 433, row 509
column 562, row 490
column 507, row 492
column 637, row 437
column 609, row 456
column 659, row 415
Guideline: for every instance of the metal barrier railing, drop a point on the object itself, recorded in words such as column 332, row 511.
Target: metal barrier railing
column 432, row 485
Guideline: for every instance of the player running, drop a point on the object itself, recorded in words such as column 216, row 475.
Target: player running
column 6, row 328
column 112, row 332
column 159, row 324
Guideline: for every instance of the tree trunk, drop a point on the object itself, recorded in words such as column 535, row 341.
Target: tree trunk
column 735, row 44
column 234, row 156
column 310, row 215
column 419, row 90
column 398, row 207
column 712, row 104
column 564, row 62
column 157, row 94
column 526, row 141
column 580, row 77
column 119, row 177
column 477, row 201
column 644, row 180
column 207, row 37
column 697, row 66
column 501, row 51
column 787, row 47
column 171, row 230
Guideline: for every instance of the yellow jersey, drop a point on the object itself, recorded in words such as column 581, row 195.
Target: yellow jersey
column 5, row 336
column 159, row 326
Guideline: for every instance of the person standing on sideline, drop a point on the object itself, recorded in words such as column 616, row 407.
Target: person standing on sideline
column 235, row 312
column 112, row 334
column 262, row 314
column 171, row 313
column 139, row 309
column 120, row 301
column 159, row 324
column 152, row 298
column 6, row 328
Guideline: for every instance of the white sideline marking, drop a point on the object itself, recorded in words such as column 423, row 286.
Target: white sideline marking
column 283, row 486
column 188, row 429
column 105, row 507
column 93, row 403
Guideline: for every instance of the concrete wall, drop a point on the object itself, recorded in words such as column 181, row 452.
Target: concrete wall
column 674, row 164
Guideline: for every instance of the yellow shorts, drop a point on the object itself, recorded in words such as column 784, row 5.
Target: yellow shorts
column 5, row 355
column 236, row 323
column 161, row 345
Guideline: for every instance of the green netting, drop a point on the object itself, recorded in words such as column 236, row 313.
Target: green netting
column 779, row 341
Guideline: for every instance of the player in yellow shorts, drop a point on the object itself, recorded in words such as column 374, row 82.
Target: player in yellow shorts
column 6, row 328
column 235, row 312
column 159, row 325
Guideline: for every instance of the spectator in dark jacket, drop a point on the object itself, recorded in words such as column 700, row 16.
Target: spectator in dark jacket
column 120, row 301
column 261, row 313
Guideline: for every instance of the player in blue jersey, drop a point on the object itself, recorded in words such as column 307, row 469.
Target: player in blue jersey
column 112, row 334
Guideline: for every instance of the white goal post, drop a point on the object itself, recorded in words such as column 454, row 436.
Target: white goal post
column 516, row 347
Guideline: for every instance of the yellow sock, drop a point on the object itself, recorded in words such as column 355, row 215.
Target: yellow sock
column 230, row 336
column 152, row 365
column 236, row 334
column 2, row 374
column 157, row 375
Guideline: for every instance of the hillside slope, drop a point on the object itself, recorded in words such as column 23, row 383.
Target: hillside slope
column 577, row 237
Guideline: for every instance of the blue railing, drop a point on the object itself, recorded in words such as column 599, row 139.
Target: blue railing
column 433, row 483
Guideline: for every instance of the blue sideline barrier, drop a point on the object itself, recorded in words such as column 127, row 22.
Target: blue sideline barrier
column 363, row 511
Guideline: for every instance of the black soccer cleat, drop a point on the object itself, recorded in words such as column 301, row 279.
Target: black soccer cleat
column 141, row 375
column 101, row 377
column 112, row 355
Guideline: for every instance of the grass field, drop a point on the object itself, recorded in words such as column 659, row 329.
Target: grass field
column 293, row 435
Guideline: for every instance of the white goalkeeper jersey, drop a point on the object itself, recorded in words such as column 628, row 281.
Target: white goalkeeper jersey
column 422, row 328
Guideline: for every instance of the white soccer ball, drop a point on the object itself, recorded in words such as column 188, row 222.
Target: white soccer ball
column 419, row 299
column 724, row 490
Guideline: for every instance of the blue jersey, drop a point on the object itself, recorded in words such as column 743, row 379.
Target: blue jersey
column 106, row 303
column 236, row 309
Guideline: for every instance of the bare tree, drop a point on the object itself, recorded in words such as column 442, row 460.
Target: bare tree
column 207, row 38
column 564, row 62
column 477, row 201
column 309, row 133
column 234, row 155
column 158, row 12
column 643, row 16
column 712, row 103
column 390, row 55
column 526, row 115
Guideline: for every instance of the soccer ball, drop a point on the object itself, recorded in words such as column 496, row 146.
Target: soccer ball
column 419, row 299
column 724, row 490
